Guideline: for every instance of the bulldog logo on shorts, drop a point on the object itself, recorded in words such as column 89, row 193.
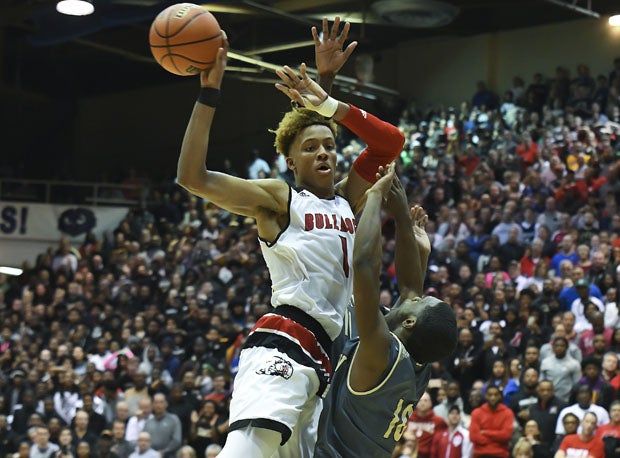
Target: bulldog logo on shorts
column 277, row 366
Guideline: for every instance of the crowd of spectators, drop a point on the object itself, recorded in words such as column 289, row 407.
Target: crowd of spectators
column 130, row 342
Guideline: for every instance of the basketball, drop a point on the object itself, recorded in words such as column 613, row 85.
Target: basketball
column 184, row 39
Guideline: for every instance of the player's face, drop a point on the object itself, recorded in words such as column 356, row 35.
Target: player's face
column 313, row 155
column 415, row 305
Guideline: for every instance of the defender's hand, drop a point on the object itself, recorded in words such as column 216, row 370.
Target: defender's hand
column 328, row 53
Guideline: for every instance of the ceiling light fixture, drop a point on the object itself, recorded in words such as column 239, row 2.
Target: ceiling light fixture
column 614, row 20
column 75, row 7
column 422, row 14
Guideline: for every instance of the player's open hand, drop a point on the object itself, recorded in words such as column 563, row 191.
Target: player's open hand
column 328, row 49
column 385, row 177
column 301, row 88
column 396, row 204
column 213, row 77
column 419, row 218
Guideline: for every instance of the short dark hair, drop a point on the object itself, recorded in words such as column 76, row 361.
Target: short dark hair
column 590, row 361
column 494, row 387
column 435, row 334
column 563, row 339
column 570, row 414
column 584, row 388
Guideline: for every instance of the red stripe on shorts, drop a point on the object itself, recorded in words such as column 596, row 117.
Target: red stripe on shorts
column 294, row 331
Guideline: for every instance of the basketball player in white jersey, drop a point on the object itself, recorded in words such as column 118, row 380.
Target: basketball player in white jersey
column 306, row 234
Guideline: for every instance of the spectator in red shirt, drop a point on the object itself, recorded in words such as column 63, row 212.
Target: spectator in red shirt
column 583, row 444
column 425, row 424
column 533, row 256
column 219, row 392
column 610, row 370
column 453, row 442
column 527, row 151
column 469, row 160
column 491, row 426
column 610, row 433
column 590, row 184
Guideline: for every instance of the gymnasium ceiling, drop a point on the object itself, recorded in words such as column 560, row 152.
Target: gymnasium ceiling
column 44, row 52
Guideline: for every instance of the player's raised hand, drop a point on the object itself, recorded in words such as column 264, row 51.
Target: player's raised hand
column 419, row 218
column 329, row 54
column 396, row 204
column 213, row 76
column 385, row 177
column 301, row 88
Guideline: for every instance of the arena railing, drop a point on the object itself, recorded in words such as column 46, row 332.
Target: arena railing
column 72, row 192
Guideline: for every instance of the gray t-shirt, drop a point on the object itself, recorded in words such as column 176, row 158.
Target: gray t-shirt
column 48, row 452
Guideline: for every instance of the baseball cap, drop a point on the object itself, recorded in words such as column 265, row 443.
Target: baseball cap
column 582, row 283
column 17, row 373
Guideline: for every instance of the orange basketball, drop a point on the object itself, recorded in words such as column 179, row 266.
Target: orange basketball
column 184, row 39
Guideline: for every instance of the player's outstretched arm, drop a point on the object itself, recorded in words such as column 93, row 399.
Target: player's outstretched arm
column 329, row 54
column 410, row 260
column 372, row 355
column 244, row 197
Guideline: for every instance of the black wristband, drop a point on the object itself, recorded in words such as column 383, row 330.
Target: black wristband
column 209, row 96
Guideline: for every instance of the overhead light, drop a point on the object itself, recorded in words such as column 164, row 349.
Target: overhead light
column 614, row 20
column 418, row 14
column 11, row 271
column 75, row 7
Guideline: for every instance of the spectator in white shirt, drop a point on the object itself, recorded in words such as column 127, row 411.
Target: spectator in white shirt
column 257, row 166
column 135, row 425
column 581, row 407
column 103, row 353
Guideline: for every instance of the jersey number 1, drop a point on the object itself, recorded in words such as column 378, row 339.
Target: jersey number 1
column 399, row 422
column 345, row 256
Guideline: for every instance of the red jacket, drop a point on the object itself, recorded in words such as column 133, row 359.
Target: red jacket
column 451, row 444
column 491, row 430
column 425, row 428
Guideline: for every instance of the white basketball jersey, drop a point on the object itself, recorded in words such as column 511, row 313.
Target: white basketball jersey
column 310, row 261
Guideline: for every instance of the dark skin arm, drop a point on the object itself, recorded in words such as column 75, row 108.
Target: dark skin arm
column 371, row 359
column 265, row 200
column 412, row 243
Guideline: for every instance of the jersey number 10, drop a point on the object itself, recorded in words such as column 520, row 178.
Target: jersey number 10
column 399, row 422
